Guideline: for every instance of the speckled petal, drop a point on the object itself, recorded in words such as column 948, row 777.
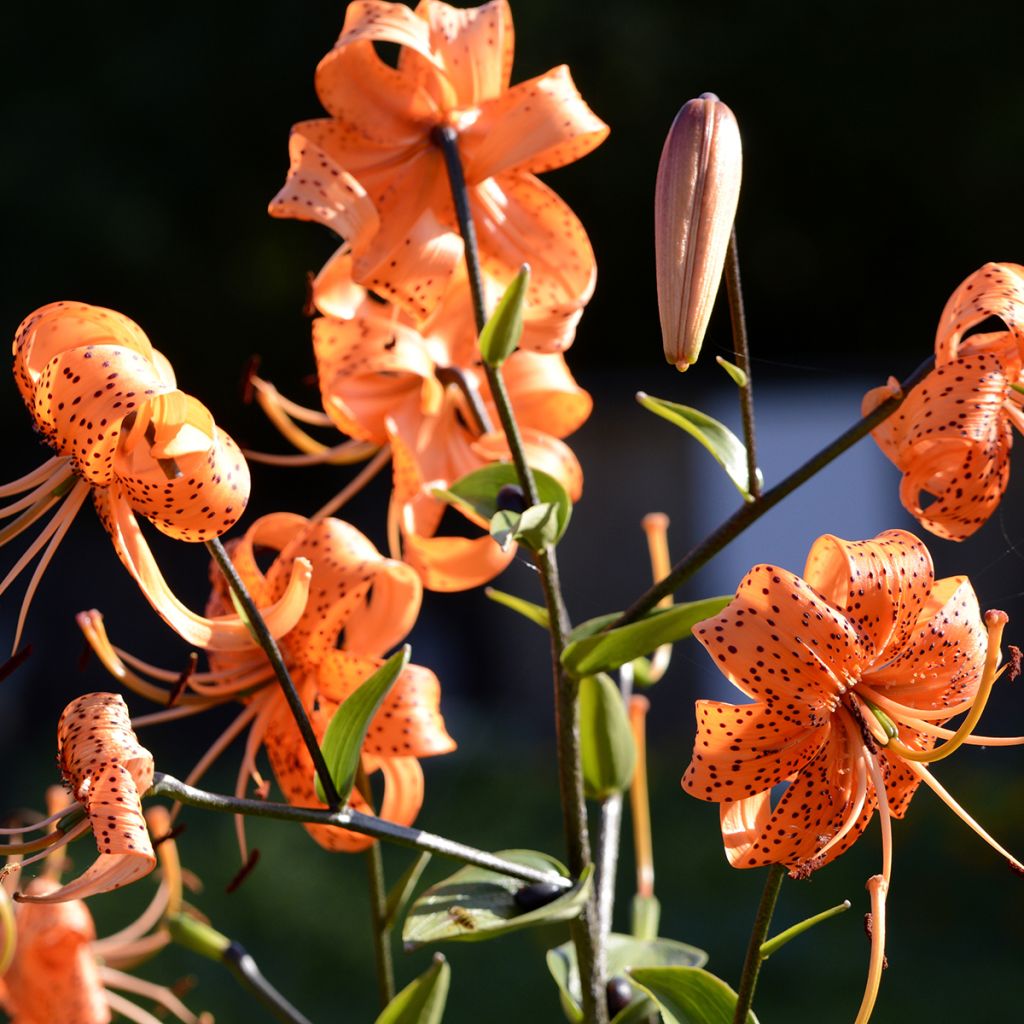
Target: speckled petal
column 881, row 585
column 780, row 642
column 534, row 127
column 997, row 289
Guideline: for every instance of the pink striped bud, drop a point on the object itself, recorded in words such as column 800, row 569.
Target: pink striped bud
column 694, row 207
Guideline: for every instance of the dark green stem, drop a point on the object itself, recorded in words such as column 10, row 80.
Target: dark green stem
column 247, row 971
column 353, row 821
column 752, row 964
column 584, row 929
column 273, row 653
column 378, row 910
column 741, row 346
column 751, row 511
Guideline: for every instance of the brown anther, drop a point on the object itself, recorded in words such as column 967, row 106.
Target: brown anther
column 84, row 657
column 246, row 383
column 1016, row 868
column 309, row 305
column 170, row 467
column 182, row 681
column 244, row 871
column 869, row 740
column 802, row 871
column 867, row 932
column 1016, row 658
column 15, row 662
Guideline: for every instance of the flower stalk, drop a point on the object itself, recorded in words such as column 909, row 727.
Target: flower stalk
column 755, row 956
column 585, row 929
column 378, row 909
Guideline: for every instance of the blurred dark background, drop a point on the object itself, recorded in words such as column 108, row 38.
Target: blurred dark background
column 881, row 144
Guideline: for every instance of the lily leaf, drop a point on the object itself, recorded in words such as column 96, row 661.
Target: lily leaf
column 739, row 377
column 624, row 952
column 477, row 494
column 605, row 651
column 504, row 524
column 688, row 995
column 607, row 751
column 343, row 739
column 501, row 334
column 422, row 1001
column 534, row 612
column 476, row 904
column 724, row 445
column 401, row 892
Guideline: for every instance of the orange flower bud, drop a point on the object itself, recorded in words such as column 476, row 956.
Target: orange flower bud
column 694, row 207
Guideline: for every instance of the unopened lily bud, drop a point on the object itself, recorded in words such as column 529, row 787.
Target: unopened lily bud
column 695, row 201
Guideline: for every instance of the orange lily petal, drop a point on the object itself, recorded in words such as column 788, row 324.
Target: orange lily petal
column 543, row 452
column 107, row 771
column 881, row 585
column 534, row 127
column 335, row 292
column 779, row 638
column 544, row 394
column 997, row 289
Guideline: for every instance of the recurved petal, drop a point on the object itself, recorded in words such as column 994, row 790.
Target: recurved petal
column 473, row 46
column 367, row 367
column 780, row 642
column 520, row 220
column 226, row 634
column 819, row 801
column 408, row 723
column 335, row 292
column 997, row 289
column 741, row 750
column 210, row 490
column 450, row 564
column 320, row 190
column 881, row 585
column 535, row 126
column 941, row 663
column 61, row 327
column 544, row 394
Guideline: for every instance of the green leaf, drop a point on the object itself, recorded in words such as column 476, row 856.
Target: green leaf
column 343, row 739
column 739, row 378
column 401, row 892
column 477, row 494
column 624, row 952
column 688, row 995
column 422, row 1001
column 534, row 612
column 476, row 904
column 539, row 526
column 504, row 523
column 724, row 445
column 501, row 333
column 607, row 751
column 606, row 651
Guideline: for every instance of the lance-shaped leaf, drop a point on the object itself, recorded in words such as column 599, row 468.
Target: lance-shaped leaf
column 536, row 527
column 401, row 892
column 422, row 1001
column 343, row 738
column 477, row 494
column 605, row 651
column 688, row 995
column 534, row 612
column 724, row 445
column 739, row 377
column 475, row 904
column 624, row 952
column 501, row 334
column 607, row 751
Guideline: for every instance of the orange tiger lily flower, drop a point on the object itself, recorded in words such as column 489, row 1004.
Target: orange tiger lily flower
column 852, row 671
column 372, row 173
column 106, row 402
column 952, row 435
column 372, row 602
column 60, row 971
column 419, row 387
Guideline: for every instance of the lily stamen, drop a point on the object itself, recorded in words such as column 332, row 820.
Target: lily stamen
column 878, row 887
column 995, row 621
column 655, row 526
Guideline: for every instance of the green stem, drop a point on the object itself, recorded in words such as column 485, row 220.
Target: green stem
column 751, row 511
column 378, row 910
column 741, row 346
column 353, row 821
column 584, row 929
column 752, row 964
column 274, row 656
column 775, row 944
